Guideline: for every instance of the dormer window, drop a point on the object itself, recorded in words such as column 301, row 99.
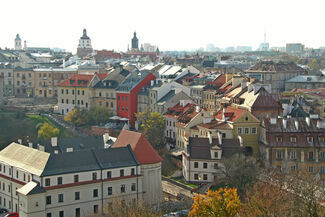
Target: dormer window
column 321, row 139
column 293, row 139
column 310, row 139
column 279, row 139
column 216, row 154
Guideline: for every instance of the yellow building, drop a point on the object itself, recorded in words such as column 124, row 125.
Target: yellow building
column 24, row 84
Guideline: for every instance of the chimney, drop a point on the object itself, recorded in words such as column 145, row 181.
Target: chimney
column 20, row 141
column 308, row 121
column 30, row 144
column 69, row 150
column 40, row 147
column 63, row 65
column 220, row 138
column 236, row 80
column 320, row 124
column 250, row 88
column 197, row 109
column 151, row 83
column 273, row 120
column 243, row 84
column 54, row 141
column 106, row 139
column 210, row 138
column 240, row 141
column 284, row 122
column 223, row 114
column 297, row 124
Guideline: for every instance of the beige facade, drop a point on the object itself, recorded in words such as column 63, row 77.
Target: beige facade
column 104, row 97
column 24, row 82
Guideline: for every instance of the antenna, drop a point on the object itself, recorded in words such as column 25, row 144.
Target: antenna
column 264, row 37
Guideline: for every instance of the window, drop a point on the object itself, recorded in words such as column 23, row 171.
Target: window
column 83, row 92
column 109, row 174
column 132, row 171
column 72, row 92
column 293, row 139
column 48, row 200
column 311, row 169
column 61, row 214
column 311, row 155
column 321, row 138
column 246, row 130
column 322, row 155
column 106, row 104
column 122, row 188
column 246, row 118
column 216, row 154
column 109, row 191
column 67, row 91
column 240, row 130
column 121, row 173
column 76, row 178
column 205, row 165
column 293, row 168
column 49, row 214
column 62, row 91
column 82, row 102
column 95, row 208
column 196, row 165
column 122, row 98
column 322, row 170
column 67, row 101
column 254, row 131
column 60, row 198
column 133, row 187
column 126, row 98
column 62, row 101
column 309, row 138
column 47, row 182
column 205, row 176
column 100, row 94
column 94, row 176
column 77, row 212
column 77, row 195
column 215, row 166
column 293, row 155
column 279, row 139
column 112, row 104
column 278, row 155
column 73, row 101
column 196, row 176
column 78, row 92
column 95, row 193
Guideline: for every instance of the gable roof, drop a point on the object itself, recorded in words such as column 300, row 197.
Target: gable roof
column 81, row 80
column 142, row 149
column 31, row 188
column 29, row 159
column 231, row 113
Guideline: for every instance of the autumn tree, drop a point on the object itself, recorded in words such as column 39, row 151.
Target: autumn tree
column 82, row 117
column 314, row 65
column 152, row 125
column 222, row 203
column 47, row 131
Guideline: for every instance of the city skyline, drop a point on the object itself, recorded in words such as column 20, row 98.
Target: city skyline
column 182, row 25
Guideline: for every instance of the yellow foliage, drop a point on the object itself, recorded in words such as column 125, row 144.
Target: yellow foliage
column 47, row 131
column 222, row 203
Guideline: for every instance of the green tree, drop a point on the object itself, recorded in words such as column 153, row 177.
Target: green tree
column 83, row 117
column 222, row 203
column 152, row 125
column 47, row 131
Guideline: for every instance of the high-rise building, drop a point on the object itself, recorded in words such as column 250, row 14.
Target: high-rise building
column 294, row 47
column 84, row 46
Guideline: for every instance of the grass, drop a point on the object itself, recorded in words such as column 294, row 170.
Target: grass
column 181, row 180
column 16, row 125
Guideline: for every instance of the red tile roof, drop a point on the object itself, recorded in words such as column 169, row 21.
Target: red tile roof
column 142, row 149
column 81, row 80
column 231, row 113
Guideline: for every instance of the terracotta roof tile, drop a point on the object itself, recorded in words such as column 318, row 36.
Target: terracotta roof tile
column 143, row 150
column 232, row 113
column 81, row 80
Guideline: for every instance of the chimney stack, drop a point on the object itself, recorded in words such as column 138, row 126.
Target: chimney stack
column 308, row 121
column 273, row 120
column 197, row 109
column 220, row 138
column 20, row 141
column 30, row 145
column 210, row 138
column 297, row 124
column 54, row 141
column 284, row 122
column 223, row 114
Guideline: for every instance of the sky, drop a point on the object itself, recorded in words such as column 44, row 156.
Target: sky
column 170, row 24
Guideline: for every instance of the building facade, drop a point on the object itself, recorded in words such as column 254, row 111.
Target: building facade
column 7, row 72
column 84, row 46
column 24, row 82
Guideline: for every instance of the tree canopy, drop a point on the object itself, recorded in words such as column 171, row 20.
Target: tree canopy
column 222, row 203
column 83, row 117
column 152, row 125
column 46, row 131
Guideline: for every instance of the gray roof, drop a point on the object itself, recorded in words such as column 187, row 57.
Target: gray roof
column 199, row 148
column 307, row 78
column 89, row 160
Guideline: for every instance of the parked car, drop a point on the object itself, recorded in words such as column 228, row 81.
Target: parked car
column 12, row 214
column 3, row 210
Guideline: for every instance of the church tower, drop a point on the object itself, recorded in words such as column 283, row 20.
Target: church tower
column 17, row 42
column 84, row 46
column 135, row 42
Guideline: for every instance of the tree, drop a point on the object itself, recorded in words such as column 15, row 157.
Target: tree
column 314, row 65
column 238, row 172
column 82, row 117
column 222, row 203
column 47, row 131
column 152, row 125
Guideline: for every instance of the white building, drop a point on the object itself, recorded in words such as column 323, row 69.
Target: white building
column 76, row 183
